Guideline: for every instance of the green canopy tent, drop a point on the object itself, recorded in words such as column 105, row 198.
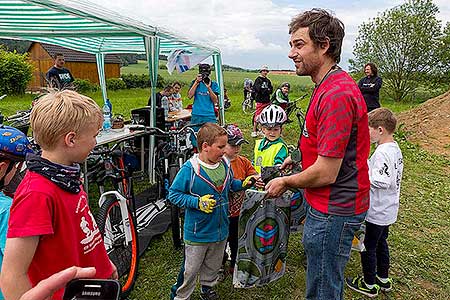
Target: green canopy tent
column 87, row 27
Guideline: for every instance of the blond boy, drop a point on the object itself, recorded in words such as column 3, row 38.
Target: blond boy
column 51, row 226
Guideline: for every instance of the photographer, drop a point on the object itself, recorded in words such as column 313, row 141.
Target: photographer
column 206, row 95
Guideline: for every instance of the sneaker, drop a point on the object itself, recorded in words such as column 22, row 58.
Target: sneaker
column 384, row 286
column 357, row 284
column 209, row 294
column 221, row 275
column 254, row 134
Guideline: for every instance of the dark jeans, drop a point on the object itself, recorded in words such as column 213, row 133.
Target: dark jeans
column 327, row 240
column 375, row 260
column 232, row 240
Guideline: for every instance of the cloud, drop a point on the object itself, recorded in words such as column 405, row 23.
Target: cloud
column 249, row 32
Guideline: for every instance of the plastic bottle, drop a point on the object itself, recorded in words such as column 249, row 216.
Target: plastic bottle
column 106, row 118
column 165, row 105
column 110, row 107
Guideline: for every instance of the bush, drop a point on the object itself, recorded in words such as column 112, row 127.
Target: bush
column 141, row 81
column 114, row 84
column 84, row 86
column 15, row 72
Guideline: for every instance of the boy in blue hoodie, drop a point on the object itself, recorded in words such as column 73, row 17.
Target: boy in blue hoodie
column 201, row 187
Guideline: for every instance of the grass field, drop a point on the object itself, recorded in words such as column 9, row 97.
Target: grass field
column 419, row 241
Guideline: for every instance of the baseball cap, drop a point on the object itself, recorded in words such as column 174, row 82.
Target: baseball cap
column 264, row 68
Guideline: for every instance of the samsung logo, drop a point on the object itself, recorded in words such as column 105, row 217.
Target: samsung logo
column 91, row 293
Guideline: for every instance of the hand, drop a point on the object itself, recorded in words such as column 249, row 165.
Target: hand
column 47, row 287
column 114, row 274
column 249, row 181
column 276, row 187
column 287, row 163
column 199, row 78
column 206, row 203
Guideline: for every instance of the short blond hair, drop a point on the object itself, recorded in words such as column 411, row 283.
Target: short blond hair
column 209, row 133
column 59, row 113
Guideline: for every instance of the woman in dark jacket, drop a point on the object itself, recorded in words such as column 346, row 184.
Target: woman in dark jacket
column 370, row 86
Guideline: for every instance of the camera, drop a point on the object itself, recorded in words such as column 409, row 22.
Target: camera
column 92, row 289
column 205, row 78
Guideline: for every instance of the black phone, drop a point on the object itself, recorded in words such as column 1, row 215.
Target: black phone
column 92, row 289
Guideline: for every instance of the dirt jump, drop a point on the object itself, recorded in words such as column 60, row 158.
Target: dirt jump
column 429, row 124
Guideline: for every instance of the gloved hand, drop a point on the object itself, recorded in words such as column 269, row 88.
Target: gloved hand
column 206, row 203
column 249, row 181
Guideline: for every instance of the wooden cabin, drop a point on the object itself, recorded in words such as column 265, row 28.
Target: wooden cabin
column 82, row 65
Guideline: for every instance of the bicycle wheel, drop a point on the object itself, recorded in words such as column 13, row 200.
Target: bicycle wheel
column 175, row 215
column 123, row 255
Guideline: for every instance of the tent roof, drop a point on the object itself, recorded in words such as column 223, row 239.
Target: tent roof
column 84, row 26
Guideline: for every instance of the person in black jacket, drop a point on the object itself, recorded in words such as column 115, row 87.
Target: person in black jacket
column 263, row 90
column 57, row 76
column 370, row 86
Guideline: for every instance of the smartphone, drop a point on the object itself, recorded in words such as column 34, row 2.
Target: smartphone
column 92, row 289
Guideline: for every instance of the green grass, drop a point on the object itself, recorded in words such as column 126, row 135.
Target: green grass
column 419, row 241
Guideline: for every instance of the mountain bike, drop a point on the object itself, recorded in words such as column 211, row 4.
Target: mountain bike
column 294, row 108
column 116, row 217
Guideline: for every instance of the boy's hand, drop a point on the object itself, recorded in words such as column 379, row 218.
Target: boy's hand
column 249, row 181
column 206, row 203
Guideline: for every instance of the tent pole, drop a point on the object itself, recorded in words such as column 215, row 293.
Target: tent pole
column 100, row 58
column 152, row 44
column 217, row 59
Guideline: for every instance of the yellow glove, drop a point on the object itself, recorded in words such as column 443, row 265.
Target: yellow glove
column 206, row 203
column 249, row 182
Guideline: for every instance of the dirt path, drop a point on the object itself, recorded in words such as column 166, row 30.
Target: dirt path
column 429, row 124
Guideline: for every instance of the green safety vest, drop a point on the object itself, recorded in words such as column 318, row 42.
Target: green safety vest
column 266, row 157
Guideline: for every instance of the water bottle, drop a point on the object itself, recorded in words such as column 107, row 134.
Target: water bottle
column 110, row 107
column 165, row 105
column 106, row 118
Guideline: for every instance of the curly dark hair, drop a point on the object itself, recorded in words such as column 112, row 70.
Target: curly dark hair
column 373, row 67
column 322, row 26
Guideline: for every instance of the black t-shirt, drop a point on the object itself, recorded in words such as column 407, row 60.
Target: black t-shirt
column 59, row 78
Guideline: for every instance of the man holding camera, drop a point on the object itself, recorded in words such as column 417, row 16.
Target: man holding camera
column 206, row 96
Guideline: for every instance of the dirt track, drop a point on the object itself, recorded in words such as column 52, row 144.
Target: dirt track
column 429, row 124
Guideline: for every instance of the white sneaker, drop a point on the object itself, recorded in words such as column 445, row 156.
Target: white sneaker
column 254, row 134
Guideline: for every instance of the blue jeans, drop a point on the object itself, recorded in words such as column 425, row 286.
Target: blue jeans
column 327, row 240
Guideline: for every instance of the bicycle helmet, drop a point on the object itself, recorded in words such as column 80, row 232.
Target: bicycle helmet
column 248, row 83
column 235, row 136
column 14, row 144
column 272, row 115
column 285, row 84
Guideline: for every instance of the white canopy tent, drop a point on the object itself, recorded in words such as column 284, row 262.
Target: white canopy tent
column 84, row 26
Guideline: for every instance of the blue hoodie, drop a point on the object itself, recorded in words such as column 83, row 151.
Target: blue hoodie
column 191, row 183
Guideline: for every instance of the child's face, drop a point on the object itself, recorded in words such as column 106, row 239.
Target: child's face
column 84, row 142
column 285, row 90
column 232, row 151
column 4, row 166
column 375, row 134
column 213, row 153
column 272, row 133
column 176, row 89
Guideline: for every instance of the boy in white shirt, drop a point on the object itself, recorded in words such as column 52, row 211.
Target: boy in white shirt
column 385, row 174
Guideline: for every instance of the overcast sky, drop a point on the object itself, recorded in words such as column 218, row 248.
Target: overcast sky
column 252, row 32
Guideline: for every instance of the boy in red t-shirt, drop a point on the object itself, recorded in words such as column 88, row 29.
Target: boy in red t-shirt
column 51, row 226
column 242, row 169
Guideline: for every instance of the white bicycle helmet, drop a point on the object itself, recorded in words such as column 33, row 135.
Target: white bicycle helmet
column 272, row 115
